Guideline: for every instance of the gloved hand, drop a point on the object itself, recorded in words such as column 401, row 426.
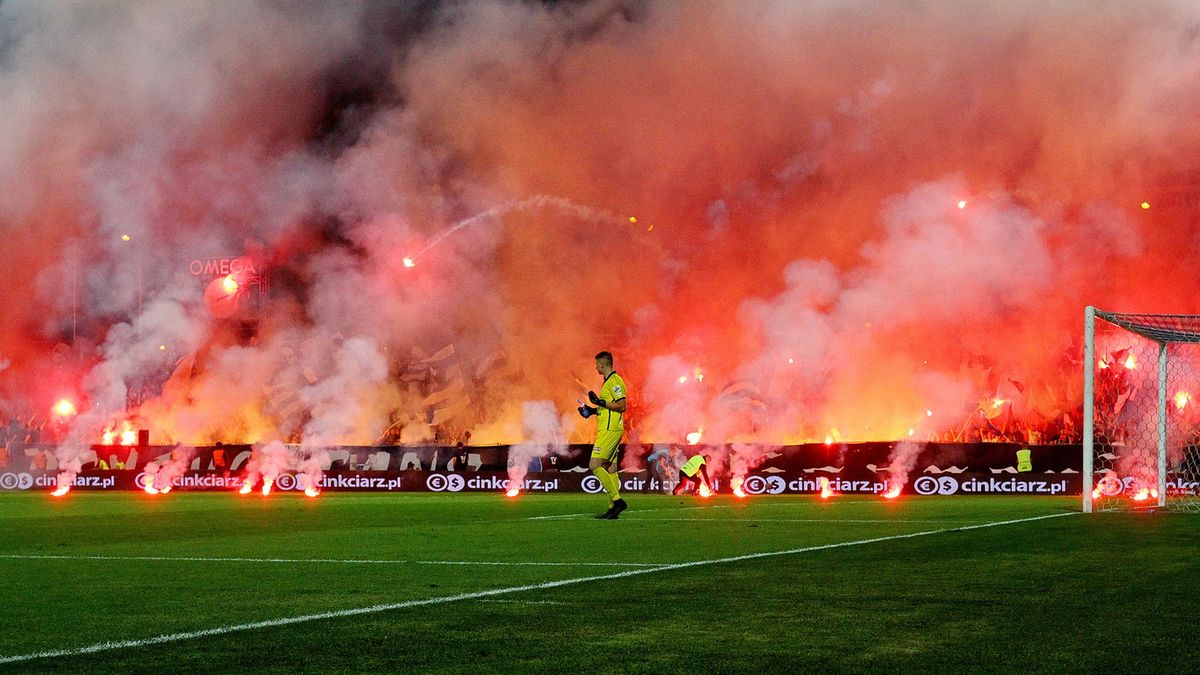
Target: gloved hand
column 594, row 398
column 586, row 411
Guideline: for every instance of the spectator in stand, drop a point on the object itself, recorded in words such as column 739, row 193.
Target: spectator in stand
column 220, row 460
column 462, row 458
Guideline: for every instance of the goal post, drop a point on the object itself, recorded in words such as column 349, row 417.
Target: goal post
column 1141, row 411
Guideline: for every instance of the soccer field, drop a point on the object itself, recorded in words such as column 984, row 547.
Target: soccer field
column 468, row 583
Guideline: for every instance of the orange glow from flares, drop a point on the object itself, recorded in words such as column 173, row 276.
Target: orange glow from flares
column 149, row 488
column 962, row 203
column 127, row 435
column 230, row 284
column 246, row 488
column 311, row 491
column 64, row 408
column 1141, row 495
column 1131, row 362
column 512, row 492
column 1145, row 205
column 266, row 488
column 1096, row 493
column 61, row 490
column 892, row 493
column 704, row 491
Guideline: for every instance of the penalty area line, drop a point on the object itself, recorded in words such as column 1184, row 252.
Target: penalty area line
column 474, row 595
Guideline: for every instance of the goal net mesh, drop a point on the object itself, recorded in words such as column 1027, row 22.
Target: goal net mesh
column 1144, row 445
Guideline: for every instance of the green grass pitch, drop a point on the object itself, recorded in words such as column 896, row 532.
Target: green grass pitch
column 480, row 583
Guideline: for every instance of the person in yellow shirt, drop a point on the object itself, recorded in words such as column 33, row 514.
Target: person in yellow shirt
column 609, row 408
column 691, row 472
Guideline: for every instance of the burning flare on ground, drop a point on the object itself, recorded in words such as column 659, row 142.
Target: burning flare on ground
column 892, row 493
column 61, row 490
column 737, row 487
column 826, row 490
column 512, row 492
column 704, row 491
column 695, row 436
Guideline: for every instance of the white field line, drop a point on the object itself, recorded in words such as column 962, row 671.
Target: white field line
column 325, row 560
column 527, row 602
column 791, row 520
column 375, row 609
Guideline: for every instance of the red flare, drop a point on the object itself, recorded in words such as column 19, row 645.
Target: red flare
column 311, row 491
column 149, row 488
column 166, row 489
column 704, row 491
column 1096, row 493
column 512, row 492
column 266, row 488
column 892, row 493
column 61, row 490
column 737, row 488
column 246, row 488
column 1141, row 495
column 64, row 408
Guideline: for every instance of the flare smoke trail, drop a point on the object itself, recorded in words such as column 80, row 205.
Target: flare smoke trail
column 849, row 215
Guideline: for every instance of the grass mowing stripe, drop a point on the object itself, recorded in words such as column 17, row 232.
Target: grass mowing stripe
column 373, row 609
column 580, row 515
column 325, row 560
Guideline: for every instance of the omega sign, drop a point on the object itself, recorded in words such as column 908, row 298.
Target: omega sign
column 219, row 267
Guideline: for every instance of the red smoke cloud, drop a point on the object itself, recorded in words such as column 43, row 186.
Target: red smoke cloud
column 793, row 172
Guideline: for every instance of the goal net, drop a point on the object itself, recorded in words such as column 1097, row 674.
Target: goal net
column 1141, row 412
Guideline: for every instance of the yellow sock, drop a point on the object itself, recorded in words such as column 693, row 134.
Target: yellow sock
column 615, row 481
column 609, row 482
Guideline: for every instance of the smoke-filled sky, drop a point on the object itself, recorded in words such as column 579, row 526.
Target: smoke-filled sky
column 799, row 257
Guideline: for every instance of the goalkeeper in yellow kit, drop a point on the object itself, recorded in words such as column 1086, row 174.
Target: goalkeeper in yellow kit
column 609, row 408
